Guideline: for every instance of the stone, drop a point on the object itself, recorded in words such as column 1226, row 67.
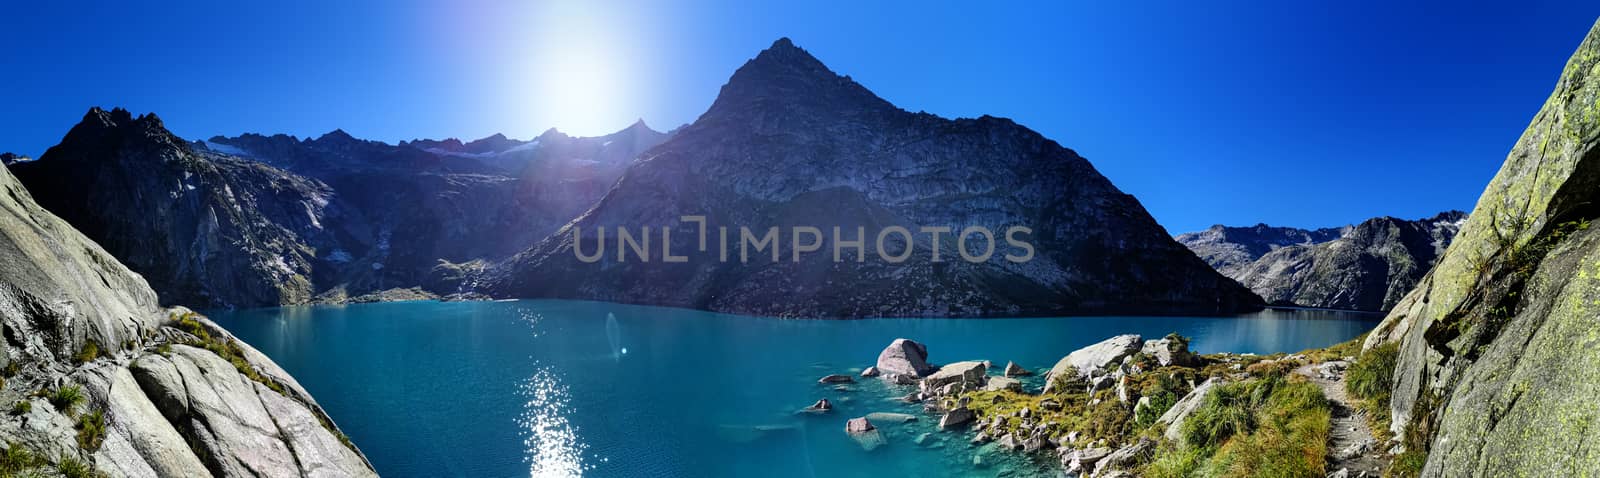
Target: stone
column 956, row 417
column 888, row 417
column 870, row 372
column 1185, row 406
column 981, row 438
column 905, row 357
column 1078, row 461
column 922, row 439
column 899, row 379
column 1050, row 404
column 822, row 406
column 1014, row 370
column 1172, row 350
column 859, row 425
column 1003, row 383
column 966, row 375
column 836, row 378
column 1084, row 362
column 1009, row 441
column 1125, row 458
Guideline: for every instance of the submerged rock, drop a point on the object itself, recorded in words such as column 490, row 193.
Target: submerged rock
column 1087, row 361
column 865, row 434
column 836, row 378
column 889, row 417
column 870, row 372
column 822, row 406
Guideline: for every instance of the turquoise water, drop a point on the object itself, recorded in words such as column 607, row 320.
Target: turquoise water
column 555, row 388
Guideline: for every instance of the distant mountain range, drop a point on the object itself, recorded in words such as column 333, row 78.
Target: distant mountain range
column 256, row 220
column 268, row 220
column 1368, row 266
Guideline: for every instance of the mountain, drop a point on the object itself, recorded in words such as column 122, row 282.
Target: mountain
column 790, row 144
column 98, row 378
column 1230, row 248
column 260, row 220
column 1497, row 347
column 1368, row 266
column 9, row 158
column 204, row 229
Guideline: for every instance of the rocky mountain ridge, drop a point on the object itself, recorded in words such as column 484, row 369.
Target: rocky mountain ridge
column 275, row 220
column 1368, row 266
column 790, row 143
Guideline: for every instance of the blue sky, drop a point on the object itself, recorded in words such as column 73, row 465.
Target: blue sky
column 1290, row 113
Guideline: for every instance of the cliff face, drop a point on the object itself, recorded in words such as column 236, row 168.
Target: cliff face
column 1499, row 346
column 206, row 230
column 96, row 374
column 789, row 143
column 1368, row 266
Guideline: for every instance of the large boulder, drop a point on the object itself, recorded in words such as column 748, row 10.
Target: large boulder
column 1170, row 350
column 1014, row 370
column 905, row 357
column 1092, row 359
column 1003, row 383
column 861, row 430
column 956, row 417
column 1124, row 459
column 967, row 375
column 1180, row 411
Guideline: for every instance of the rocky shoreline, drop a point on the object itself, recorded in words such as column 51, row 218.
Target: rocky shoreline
column 1127, row 406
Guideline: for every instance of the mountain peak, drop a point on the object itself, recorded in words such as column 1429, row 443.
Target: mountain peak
column 786, row 77
column 102, row 130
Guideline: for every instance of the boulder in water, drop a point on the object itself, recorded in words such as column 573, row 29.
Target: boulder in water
column 905, row 357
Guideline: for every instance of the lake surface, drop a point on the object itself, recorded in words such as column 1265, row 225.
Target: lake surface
column 556, row 388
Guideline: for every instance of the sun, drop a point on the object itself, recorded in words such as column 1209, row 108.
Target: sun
column 582, row 69
column 583, row 89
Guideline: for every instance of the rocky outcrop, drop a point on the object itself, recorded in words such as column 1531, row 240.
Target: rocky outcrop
column 1497, row 346
column 1368, row 266
column 1092, row 360
column 8, row 158
column 1170, row 350
column 79, row 323
column 968, row 375
column 790, row 143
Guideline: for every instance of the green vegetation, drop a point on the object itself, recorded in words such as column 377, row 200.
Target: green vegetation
column 165, row 349
column 71, row 467
column 91, row 351
column 21, row 407
column 16, row 460
column 91, row 430
column 66, row 397
column 1370, row 379
column 1266, row 427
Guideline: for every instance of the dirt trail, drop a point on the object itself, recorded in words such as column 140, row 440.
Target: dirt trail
column 1350, row 444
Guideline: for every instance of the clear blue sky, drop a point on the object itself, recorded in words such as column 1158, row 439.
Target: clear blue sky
column 1285, row 112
